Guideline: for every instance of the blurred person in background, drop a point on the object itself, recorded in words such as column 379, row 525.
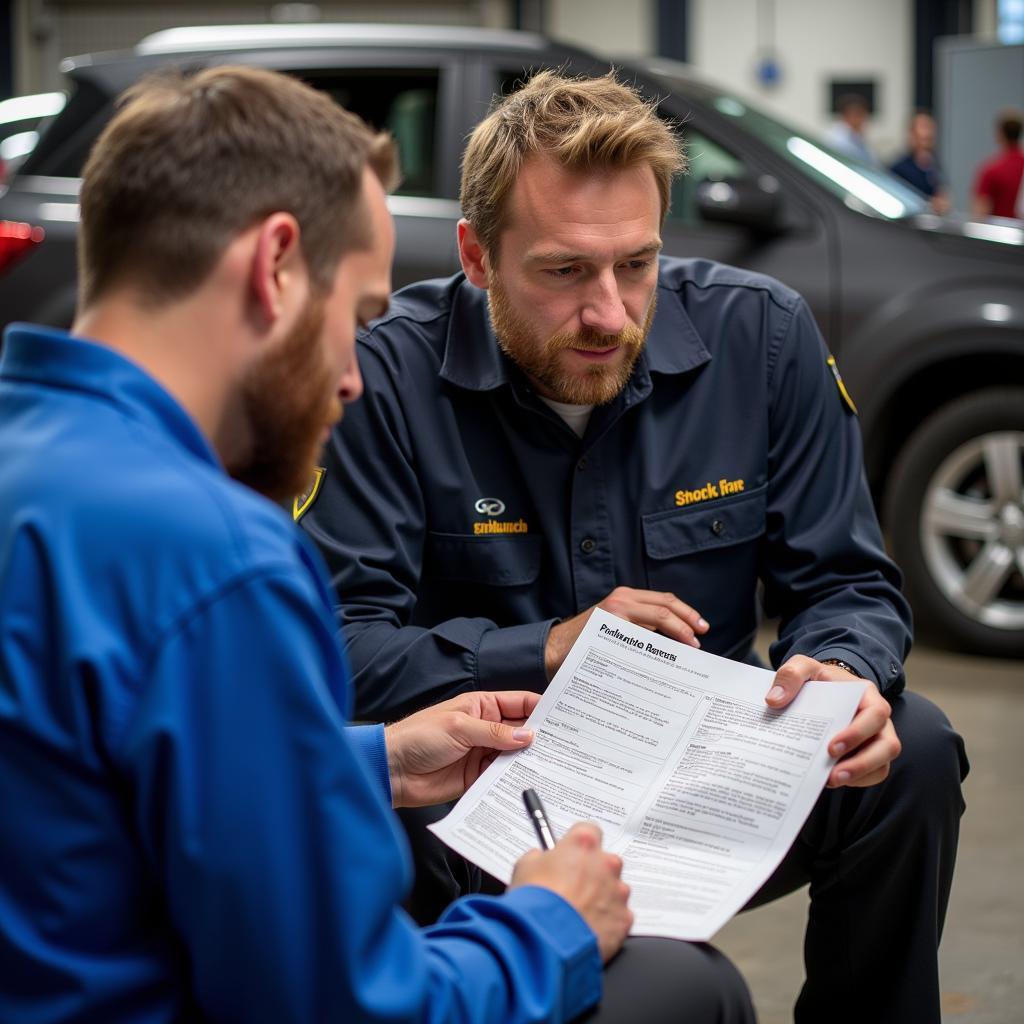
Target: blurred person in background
column 919, row 166
column 848, row 133
column 999, row 182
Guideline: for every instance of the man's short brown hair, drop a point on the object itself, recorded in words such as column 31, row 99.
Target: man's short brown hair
column 190, row 162
column 1010, row 123
column 581, row 123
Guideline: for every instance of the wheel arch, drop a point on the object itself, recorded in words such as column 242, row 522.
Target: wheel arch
column 935, row 372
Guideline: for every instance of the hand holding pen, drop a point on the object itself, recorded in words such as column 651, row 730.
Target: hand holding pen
column 580, row 872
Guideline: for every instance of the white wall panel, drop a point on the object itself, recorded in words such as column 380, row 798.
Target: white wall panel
column 815, row 41
column 621, row 29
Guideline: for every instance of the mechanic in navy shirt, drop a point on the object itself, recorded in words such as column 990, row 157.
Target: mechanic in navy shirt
column 919, row 166
column 571, row 422
column 187, row 828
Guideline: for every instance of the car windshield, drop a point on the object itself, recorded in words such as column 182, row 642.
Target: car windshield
column 870, row 190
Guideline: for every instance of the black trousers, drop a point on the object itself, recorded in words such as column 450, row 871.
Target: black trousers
column 660, row 981
column 879, row 862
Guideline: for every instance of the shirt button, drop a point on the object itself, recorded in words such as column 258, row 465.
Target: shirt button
column 582, row 464
column 587, row 545
column 717, row 527
column 894, row 669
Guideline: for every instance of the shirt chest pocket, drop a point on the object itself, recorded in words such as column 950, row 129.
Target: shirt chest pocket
column 707, row 526
column 487, row 561
column 706, row 555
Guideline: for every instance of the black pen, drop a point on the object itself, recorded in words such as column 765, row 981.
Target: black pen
column 541, row 825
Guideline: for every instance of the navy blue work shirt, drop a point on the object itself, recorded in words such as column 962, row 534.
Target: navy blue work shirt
column 187, row 829
column 460, row 516
column 928, row 179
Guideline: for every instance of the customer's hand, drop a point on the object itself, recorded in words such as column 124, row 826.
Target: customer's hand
column 652, row 609
column 588, row 878
column 436, row 754
column 868, row 745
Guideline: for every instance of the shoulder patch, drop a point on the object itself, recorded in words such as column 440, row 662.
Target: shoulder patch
column 302, row 502
column 847, row 400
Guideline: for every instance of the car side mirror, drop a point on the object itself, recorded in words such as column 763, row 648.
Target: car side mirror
column 752, row 203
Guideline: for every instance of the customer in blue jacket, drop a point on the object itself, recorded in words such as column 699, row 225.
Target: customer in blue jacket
column 187, row 828
column 574, row 422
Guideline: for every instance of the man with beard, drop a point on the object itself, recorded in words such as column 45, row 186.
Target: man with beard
column 573, row 422
column 187, row 828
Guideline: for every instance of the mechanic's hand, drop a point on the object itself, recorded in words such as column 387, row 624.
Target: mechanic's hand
column 868, row 745
column 436, row 754
column 652, row 609
column 590, row 879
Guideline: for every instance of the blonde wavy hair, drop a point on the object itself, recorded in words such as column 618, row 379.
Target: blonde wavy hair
column 580, row 123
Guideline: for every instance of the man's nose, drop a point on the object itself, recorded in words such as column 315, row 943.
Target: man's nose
column 603, row 311
column 351, row 386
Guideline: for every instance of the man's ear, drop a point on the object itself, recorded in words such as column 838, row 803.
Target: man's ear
column 278, row 276
column 472, row 255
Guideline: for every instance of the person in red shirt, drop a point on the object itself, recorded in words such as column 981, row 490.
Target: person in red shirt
column 998, row 184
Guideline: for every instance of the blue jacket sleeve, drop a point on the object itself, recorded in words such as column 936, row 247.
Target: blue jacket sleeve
column 369, row 523
column 824, row 567
column 282, row 867
column 368, row 743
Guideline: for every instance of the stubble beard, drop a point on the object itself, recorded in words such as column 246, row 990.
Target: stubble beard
column 539, row 359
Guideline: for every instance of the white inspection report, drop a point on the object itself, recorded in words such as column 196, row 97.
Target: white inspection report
column 693, row 779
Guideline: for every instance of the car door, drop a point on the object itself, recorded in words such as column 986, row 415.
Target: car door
column 414, row 96
column 799, row 253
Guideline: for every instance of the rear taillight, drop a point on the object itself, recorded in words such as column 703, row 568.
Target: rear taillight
column 16, row 241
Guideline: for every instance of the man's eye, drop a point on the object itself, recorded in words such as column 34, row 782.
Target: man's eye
column 561, row 272
column 638, row 265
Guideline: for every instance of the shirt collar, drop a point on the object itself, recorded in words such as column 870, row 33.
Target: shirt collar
column 56, row 359
column 474, row 360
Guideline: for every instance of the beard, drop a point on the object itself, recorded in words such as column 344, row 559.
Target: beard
column 288, row 401
column 539, row 359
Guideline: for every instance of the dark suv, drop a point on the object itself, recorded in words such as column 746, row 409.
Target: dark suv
column 925, row 315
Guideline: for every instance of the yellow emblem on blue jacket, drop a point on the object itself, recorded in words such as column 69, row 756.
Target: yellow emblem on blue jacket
column 303, row 501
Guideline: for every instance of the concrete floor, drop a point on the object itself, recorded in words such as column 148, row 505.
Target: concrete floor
column 982, row 956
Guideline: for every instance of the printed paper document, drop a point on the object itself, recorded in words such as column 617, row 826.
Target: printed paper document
column 694, row 780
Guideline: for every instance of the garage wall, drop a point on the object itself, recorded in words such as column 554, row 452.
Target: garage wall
column 815, row 40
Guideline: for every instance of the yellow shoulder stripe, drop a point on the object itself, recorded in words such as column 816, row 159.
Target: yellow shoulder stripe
column 303, row 501
column 842, row 387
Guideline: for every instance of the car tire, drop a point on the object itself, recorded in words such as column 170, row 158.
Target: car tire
column 954, row 512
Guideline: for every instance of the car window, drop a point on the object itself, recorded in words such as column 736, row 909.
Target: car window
column 63, row 146
column 707, row 160
column 398, row 100
column 869, row 190
column 22, row 119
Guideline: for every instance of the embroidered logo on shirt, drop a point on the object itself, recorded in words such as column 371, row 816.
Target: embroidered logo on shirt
column 492, row 507
column 494, row 526
column 489, row 506
column 842, row 387
column 302, row 502
column 709, row 491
